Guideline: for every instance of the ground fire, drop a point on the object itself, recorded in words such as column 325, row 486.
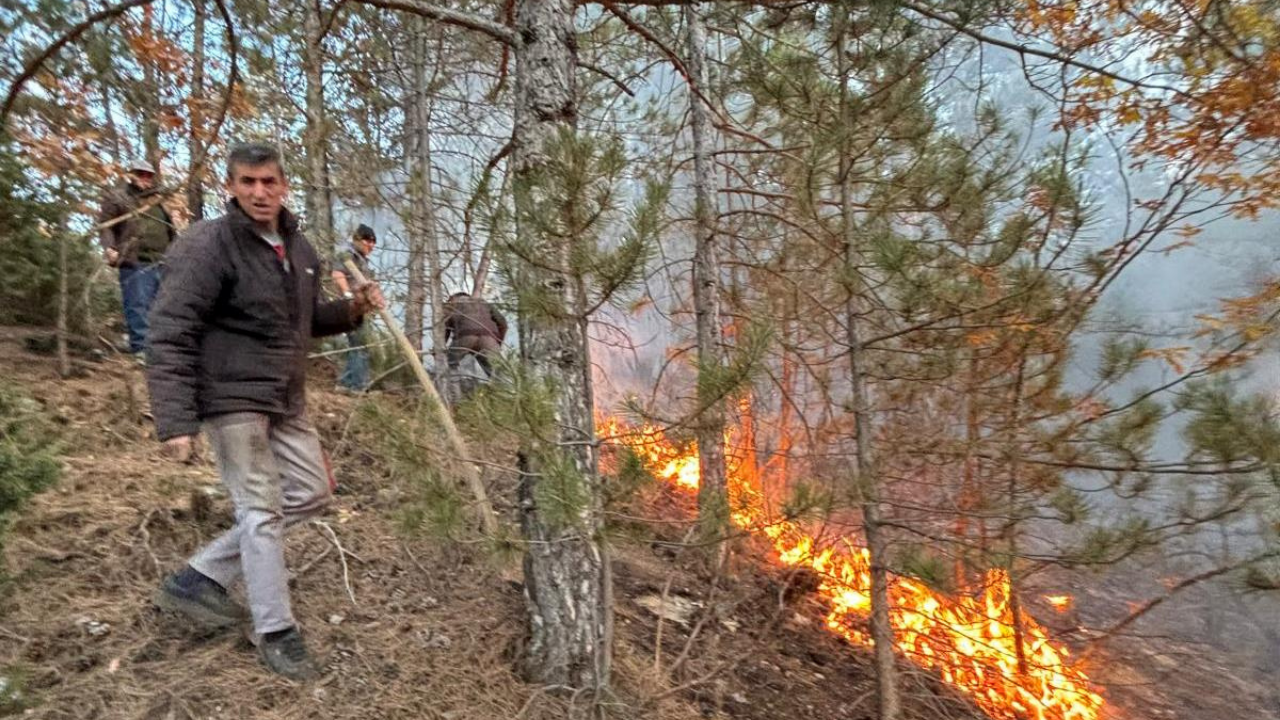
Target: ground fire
column 968, row 638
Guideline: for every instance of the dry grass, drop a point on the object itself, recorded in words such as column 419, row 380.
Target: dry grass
column 434, row 627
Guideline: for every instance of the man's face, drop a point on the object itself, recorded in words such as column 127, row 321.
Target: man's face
column 260, row 190
column 366, row 245
column 143, row 180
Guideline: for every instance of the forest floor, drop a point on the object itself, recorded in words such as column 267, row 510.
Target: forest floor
column 407, row 626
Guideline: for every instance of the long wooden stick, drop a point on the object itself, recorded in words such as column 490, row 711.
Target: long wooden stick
column 459, row 446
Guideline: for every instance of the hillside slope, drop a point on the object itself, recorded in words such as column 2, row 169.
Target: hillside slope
column 428, row 629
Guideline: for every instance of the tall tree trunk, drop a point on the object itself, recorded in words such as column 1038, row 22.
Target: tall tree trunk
column 315, row 136
column 967, row 502
column 868, row 483
column 424, row 246
column 195, row 179
column 713, row 499
column 415, row 137
column 565, row 564
column 1015, row 469
column 150, row 105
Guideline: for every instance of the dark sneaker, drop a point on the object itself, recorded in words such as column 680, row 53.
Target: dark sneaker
column 200, row 599
column 285, row 654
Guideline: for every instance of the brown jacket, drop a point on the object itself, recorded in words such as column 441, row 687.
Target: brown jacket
column 466, row 316
column 132, row 238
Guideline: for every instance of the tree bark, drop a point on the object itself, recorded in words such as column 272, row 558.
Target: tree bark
column 713, row 498
column 314, row 138
column 565, row 563
column 868, row 484
column 417, row 153
column 61, row 329
column 1015, row 469
column 195, row 179
column 150, row 105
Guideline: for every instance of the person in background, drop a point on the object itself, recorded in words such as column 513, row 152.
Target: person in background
column 472, row 327
column 136, row 246
column 356, row 375
column 230, row 333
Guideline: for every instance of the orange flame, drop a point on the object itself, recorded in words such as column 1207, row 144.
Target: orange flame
column 1061, row 603
column 969, row 639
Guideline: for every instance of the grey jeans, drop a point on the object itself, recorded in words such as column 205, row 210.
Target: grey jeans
column 275, row 473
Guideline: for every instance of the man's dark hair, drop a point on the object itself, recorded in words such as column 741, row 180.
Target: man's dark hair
column 364, row 232
column 253, row 154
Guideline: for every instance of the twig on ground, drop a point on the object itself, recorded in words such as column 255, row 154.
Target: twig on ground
column 314, row 561
column 342, row 555
column 146, row 542
column 418, row 564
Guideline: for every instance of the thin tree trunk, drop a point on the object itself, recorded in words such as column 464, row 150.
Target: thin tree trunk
column 150, row 122
column 713, row 499
column 64, row 269
column 486, row 252
column 418, row 179
column 435, row 279
column 1015, row 468
column 566, row 583
column 968, row 499
column 314, row 138
column 868, row 483
column 195, row 179
column 424, row 245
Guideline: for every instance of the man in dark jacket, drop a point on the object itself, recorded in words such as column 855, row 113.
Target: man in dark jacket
column 356, row 375
column 472, row 327
column 230, row 333
column 136, row 245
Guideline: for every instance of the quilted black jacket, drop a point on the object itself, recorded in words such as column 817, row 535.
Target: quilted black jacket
column 232, row 325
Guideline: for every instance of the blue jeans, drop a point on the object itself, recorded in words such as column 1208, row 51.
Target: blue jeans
column 138, row 287
column 356, row 375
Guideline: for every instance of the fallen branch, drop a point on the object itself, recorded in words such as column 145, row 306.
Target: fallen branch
column 342, row 555
column 314, row 561
column 146, row 542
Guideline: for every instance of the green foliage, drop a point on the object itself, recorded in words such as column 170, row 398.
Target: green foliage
column 1227, row 427
column 13, row 695
column 722, row 379
column 520, row 406
column 408, row 442
column 563, row 491
column 570, row 234
column 628, row 480
column 29, row 235
column 28, row 453
column 927, row 566
column 1107, row 545
column 1069, row 504
column 807, row 500
column 1120, row 356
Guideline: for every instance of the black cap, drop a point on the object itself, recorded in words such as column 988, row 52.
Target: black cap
column 364, row 231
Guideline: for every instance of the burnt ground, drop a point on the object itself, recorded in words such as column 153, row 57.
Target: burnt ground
column 430, row 629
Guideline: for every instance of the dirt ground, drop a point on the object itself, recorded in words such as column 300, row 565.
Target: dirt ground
column 429, row 629
column 408, row 627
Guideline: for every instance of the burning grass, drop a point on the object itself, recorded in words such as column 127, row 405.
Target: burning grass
column 970, row 639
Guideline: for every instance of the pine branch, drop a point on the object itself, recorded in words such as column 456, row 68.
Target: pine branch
column 33, row 66
column 497, row 31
